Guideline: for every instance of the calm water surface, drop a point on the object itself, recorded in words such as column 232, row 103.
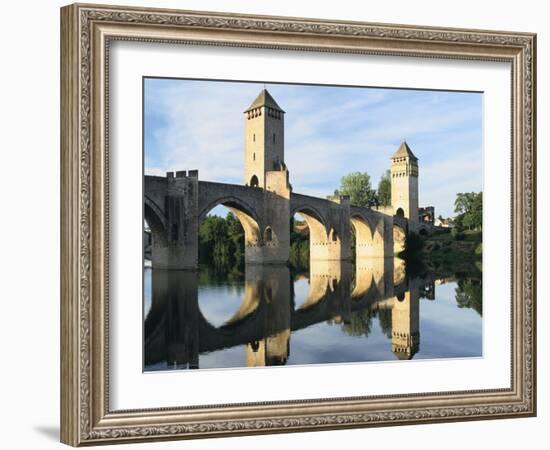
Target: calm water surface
column 335, row 313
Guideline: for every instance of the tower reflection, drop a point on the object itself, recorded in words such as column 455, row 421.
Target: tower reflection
column 177, row 332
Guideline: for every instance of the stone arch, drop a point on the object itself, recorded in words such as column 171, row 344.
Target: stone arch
column 317, row 228
column 324, row 278
column 254, row 181
column 367, row 280
column 157, row 222
column 399, row 212
column 399, row 274
column 369, row 236
column 246, row 215
column 264, row 309
column 399, row 237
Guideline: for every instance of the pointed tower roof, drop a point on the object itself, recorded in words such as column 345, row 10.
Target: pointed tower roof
column 264, row 98
column 404, row 150
column 404, row 355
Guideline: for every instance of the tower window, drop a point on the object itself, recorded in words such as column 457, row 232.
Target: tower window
column 274, row 138
column 254, row 137
column 254, row 156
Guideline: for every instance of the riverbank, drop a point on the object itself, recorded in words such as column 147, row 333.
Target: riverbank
column 447, row 252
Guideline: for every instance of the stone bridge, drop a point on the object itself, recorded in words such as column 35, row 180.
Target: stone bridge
column 175, row 205
column 177, row 331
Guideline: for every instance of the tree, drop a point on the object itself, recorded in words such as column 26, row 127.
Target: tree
column 221, row 241
column 385, row 319
column 359, row 322
column 299, row 248
column 469, row 209
column 358, row 186
column 468, row 294
column 384, row 189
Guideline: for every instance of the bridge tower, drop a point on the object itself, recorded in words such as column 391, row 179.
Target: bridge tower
column 404, row 183
column 264, row 139
column 265, row 168
column 270, row 285
column 405, row 314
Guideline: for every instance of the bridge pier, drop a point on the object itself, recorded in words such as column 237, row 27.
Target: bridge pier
column 272, row 286
column 273, row 245
column 374, row 272
column 325, row 276
column 331, row 242
column 175, row 246
column 175, row 297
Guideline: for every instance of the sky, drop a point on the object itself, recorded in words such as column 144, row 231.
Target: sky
column 330, row 131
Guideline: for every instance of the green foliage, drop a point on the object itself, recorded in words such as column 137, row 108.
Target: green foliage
column 384, row 189
column 468, row 294
column 299, row 249
column 469, row 209
column 212, row 275
column 358, row 186
column 457, row 235
column 221, row 241
column 413, row 243
column 359, row 323
column 385, row 319
column 221, row 246
column 479, row 249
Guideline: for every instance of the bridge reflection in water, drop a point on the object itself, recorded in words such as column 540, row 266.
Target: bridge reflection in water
column 177, row 332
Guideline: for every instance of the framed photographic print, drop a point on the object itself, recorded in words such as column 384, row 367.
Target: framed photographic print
column 276, row 224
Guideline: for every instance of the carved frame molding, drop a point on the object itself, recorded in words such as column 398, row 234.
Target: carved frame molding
column 86, row 31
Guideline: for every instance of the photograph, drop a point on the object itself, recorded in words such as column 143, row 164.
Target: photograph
column 273, row 221
column 297, row 224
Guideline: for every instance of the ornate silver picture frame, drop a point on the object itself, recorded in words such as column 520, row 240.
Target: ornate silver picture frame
column 87, row 33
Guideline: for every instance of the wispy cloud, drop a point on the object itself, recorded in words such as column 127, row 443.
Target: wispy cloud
column 329, row 132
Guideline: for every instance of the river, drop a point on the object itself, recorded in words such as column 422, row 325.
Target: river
column 333, row 313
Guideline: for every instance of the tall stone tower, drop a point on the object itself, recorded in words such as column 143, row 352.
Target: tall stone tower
column 264, row 139
column 404, row 183
column 405, row 314
column 265, row 168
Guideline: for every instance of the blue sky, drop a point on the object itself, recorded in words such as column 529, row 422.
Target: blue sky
column 329, row 132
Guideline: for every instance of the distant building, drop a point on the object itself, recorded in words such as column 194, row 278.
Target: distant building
column 426, row 215
column 445, row 223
